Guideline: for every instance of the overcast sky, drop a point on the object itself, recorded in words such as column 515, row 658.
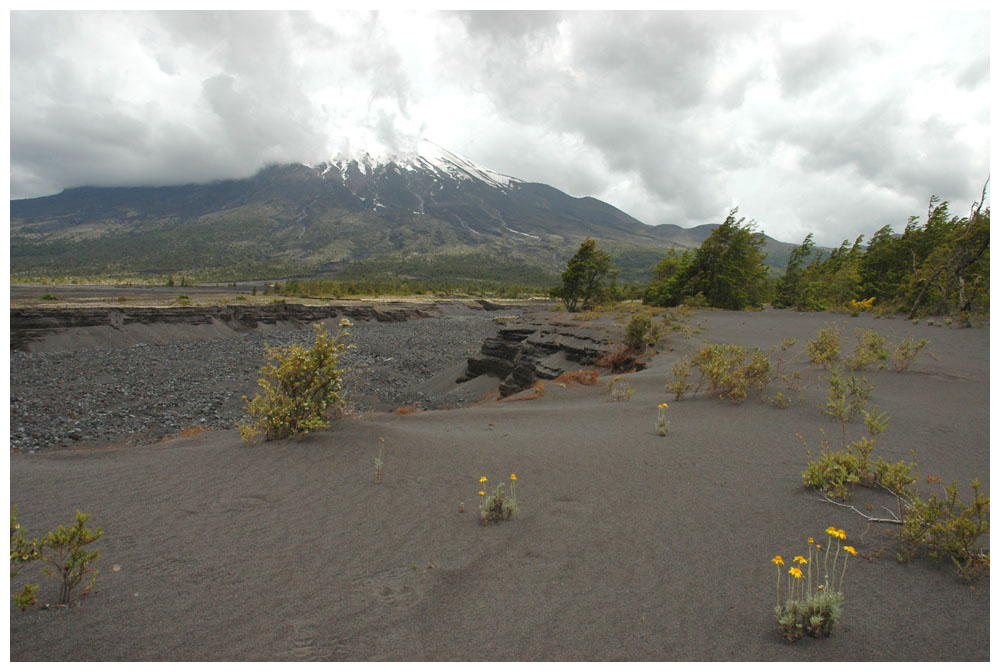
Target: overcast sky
column 834, row 123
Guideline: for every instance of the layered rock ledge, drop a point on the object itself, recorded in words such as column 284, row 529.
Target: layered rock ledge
column 58, row 329
column 534, row 347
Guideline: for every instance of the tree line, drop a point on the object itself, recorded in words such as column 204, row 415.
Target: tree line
column 938, row 267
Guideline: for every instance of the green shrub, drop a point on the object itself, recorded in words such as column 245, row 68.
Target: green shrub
column 64, row 551
column 825, row 348
column 680, row 385
column 869, row 350
column 728, row 374
column 301, row 388
column 847, row 397
column 948, row 528
column 22, row 551
column 904, row 354
column 641, row 333
column 49, row 297
column 837, row 473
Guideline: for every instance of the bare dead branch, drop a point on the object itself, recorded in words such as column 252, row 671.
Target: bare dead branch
column 870, row 519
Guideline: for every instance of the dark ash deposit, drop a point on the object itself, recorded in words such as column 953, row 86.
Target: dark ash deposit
column 135, row 376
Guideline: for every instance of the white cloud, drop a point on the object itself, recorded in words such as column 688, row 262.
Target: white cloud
column 834, row 123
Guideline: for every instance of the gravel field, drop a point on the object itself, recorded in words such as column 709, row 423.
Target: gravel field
column 145, row 392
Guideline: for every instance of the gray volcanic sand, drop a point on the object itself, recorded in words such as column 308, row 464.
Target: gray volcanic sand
column 628, row 546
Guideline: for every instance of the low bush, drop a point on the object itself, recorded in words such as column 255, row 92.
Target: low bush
column 946, row 528
column 70, row 561
column 904, row 353
column 619, row 389
column 64, row 554
column 837, row 472
column 641, row 333
column 870, row 349
column 22, row 551
column 825, row 348
column 680, row 385
column 729, row 374
column 301, row 388
column 848, row 396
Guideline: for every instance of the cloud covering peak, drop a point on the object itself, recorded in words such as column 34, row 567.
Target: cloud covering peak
column 832, row 123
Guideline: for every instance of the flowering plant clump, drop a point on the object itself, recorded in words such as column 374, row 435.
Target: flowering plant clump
column 813, row 603
column 854, row 307
column 662, row 424
column 498, row 506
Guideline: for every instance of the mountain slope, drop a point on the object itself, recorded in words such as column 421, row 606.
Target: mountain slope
column 431, row 213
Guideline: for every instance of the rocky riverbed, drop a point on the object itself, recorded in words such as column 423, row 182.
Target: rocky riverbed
column 144, row 392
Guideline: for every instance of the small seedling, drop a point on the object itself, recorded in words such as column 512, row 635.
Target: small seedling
column 378, row 461
column 619, row 389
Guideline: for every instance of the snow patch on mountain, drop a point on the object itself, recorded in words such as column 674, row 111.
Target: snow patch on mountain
column 429, row 158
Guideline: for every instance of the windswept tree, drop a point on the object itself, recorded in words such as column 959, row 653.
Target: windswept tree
column 837, row 279
column 667, row 287
column 728, row 269
column 954, row 274
column 588, row 278
column 792, row 290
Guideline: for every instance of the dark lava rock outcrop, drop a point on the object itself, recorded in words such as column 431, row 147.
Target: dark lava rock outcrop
column 534, row 347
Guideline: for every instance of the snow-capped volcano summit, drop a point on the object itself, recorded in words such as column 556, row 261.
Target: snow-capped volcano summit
column 429, row 157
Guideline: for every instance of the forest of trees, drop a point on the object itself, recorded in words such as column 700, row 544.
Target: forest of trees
column 939, row 267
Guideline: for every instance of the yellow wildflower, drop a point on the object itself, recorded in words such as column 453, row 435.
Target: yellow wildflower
column 832, row 531
column 777, row 560
column 799, row 559
column 842, row 534
column 482, row 479
column 810, row 540
column 850, row 549
column 513, row 477
column 796, row 572
column 482, row 494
